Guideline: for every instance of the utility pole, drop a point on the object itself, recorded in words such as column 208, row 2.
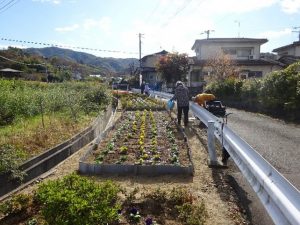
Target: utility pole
column 297, row 31
column 140, row 48
column 207, row 32
column 140, row 56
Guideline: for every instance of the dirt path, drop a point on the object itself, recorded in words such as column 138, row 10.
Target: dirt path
column 208, row 184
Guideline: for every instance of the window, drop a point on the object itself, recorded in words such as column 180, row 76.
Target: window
column 196, row 76
column 229, row 51
column 239, row 52
column 254, row 74
column 244, row 52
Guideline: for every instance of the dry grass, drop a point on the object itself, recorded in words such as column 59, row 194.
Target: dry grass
column 30, row 136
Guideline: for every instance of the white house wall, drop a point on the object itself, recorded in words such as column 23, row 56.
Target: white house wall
column 292, row 50
column 209, row 50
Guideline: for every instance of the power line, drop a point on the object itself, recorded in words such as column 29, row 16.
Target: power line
column 2, row 2
column 27, row 64
column 153, row 11
column 8, row 5
column 65, row 46
column 179, row 10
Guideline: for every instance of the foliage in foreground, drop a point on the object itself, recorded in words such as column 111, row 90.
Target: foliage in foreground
column 21, row 99
column 276, row 94
column 76, row 200
column 10, row 159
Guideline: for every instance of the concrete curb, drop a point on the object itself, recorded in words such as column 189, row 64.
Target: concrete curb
column 42, row 163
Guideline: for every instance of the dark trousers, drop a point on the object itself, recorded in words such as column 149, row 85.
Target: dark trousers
column 225, row 155
column 185, row 110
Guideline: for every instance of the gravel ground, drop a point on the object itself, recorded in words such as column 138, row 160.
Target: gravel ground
column 278, row 142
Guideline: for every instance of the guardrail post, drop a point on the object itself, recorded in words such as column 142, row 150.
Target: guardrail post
column 211, row 144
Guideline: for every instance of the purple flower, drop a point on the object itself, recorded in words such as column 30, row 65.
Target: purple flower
column 134, row 211
column 149, row 221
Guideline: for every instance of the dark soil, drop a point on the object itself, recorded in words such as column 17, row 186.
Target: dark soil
column 160, row 153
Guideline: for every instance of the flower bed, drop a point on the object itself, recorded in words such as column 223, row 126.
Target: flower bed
column 141, row 142
column 140, row 102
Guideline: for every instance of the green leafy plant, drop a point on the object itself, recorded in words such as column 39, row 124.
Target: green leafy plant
column 123, row 158
column 75, row 200
column 16, row 204
column 10, row 160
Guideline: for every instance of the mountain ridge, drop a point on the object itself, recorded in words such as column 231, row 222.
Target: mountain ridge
column 116, row 65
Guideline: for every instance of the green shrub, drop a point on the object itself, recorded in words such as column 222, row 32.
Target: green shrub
column 25, row 99
column 75, row 200
column 10, row 159
column 18, row 203
column 280, row 90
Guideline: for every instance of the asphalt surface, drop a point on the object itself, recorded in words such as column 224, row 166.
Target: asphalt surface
column 278, row 142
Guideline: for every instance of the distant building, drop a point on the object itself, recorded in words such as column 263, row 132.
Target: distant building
column 148, row 68
column 10, row 73
column 245, row 53
column 288, row 54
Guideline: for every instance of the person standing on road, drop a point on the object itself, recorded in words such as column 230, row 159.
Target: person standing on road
column 147, row 89
column 182, row 97
column 142, row 87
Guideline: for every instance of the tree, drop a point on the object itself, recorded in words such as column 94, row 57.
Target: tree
column 173, row 67
column 221, row 67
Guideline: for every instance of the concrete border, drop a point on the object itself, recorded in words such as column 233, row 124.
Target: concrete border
column 125, row 169
column 42, row 163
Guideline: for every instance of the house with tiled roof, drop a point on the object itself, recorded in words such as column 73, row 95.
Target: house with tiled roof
column 288, row 54
column 244, row 52
column 148, row 68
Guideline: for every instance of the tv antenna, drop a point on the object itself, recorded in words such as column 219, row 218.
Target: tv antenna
column 297, row 30
column 207, row 32
column 239, row 27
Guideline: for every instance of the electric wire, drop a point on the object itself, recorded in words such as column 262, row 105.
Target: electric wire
column 2, row 2
column 13, row 2
column 27, row 64
column 153, row 11
column 179, row 10
column 65, row 46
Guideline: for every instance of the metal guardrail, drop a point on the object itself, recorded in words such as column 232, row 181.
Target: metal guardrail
column 280, row 198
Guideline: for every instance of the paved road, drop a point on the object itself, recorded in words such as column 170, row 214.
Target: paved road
column 278, row 142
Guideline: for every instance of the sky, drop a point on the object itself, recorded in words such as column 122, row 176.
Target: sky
column 111, row 28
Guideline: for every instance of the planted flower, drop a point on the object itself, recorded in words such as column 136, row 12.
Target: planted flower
column 145, row 156
column 156, row 157
column 134, row 215
column 123, row 150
